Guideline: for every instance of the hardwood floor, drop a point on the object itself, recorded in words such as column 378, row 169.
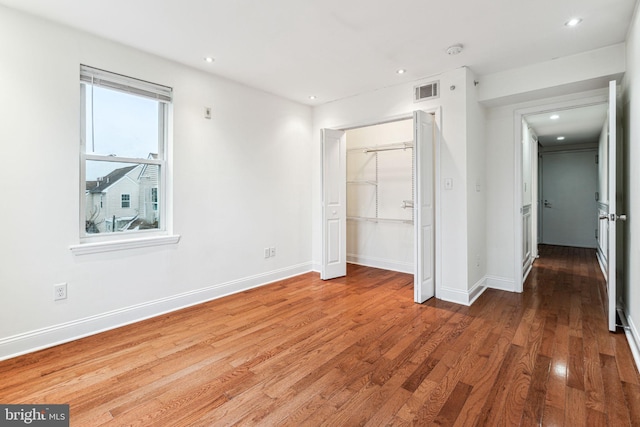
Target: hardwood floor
column 353, row 351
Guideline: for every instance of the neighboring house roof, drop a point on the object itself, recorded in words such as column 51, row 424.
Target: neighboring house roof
column 90, row 185
column 111, row 179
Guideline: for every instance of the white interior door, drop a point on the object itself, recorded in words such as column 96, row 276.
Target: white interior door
column 423, row 278
column 334, row 204
column 613, row 267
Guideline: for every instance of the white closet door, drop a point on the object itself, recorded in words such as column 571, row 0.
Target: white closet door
column 614, row 260
column 423, row 279
column 334, row 204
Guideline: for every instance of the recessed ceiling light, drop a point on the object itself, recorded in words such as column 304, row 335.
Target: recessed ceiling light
column 209, row 59
column 573, row 22
column 312, row 97
column 560, row 138
column 554, row 117
column 401, row 71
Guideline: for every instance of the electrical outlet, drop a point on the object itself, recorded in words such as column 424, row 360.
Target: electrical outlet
column 60, row 291
column 267, row 253
column 272, row 251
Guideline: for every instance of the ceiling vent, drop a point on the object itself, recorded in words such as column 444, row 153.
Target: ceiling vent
column 426, row 91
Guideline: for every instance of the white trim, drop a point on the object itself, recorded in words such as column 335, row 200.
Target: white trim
column 462, row 297
column 437, row 193
column 602, row 263
column 632, row 334
column 517, row 198
column 39, row 339
column 527, row 271
column 119, row 245
column 500, row 283
column 385, row 264
column 477, row 290
column 457, row 296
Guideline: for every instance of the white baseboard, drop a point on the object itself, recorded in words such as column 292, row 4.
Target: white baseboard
column 602, row 262
column 633, row 337
column 464, row 297
column 28, row 342
column 500, row 283
column 385, row 264
column 316, row 267
column 457, row 296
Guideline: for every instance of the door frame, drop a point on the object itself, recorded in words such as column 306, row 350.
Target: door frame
column 437, row 112
column 601, row 96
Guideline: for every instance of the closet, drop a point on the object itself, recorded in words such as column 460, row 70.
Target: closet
column 380, row 191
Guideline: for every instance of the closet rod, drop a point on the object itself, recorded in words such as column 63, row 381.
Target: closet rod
column 368, row 219
column 390, row 147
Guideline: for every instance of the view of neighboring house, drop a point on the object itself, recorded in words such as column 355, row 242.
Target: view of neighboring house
column 124, row 199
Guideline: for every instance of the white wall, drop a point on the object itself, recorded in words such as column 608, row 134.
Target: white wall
column 241, row 182
column 397, row 101
column 631, row 107
column 387, row 245
column 560, row 76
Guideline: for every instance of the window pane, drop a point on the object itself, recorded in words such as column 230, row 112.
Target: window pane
column 121, row 124
column 121, row 197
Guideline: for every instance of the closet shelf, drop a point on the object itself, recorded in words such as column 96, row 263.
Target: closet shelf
column 368, row 219
column 362, row 181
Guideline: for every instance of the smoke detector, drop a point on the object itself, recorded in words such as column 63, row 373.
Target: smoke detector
column 454, row 49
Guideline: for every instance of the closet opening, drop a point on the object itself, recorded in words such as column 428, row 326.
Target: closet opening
column 378, row 199
column 380, row 188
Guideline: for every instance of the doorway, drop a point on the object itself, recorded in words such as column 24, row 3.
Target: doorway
column 565, row 173
column 606, row 126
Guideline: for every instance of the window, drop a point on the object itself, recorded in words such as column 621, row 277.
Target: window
column 123, row 153
column 154, row 198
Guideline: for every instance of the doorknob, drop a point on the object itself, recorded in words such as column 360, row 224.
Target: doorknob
column 614, row 217
column 547, row 204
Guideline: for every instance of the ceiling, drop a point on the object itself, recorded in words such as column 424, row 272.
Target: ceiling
column 338, row 48
column 581, row 125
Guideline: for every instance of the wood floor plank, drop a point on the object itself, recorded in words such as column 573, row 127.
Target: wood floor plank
column 632, row 398
column 534, row 403
column 353, row 351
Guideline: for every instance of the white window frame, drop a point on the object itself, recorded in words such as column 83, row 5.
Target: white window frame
column 92, row 243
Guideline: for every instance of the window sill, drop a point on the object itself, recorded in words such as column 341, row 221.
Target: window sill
column 119, row 245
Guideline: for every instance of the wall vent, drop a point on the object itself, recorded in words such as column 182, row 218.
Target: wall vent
column 426, row 91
